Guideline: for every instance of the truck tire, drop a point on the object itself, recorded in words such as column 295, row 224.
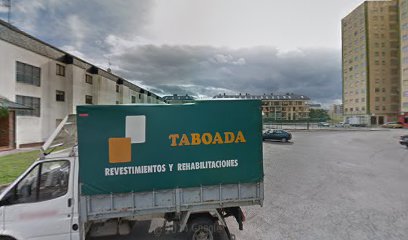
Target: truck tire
column 6, row 238
column 201, row 228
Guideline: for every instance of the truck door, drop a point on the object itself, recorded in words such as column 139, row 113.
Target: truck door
column 37, row 206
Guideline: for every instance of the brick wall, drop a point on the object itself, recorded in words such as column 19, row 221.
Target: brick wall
column 7, row 131
column 4, row 131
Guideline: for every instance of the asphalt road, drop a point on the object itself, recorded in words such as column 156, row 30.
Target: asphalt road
column 325, row 185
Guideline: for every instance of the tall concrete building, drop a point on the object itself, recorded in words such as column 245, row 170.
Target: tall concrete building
column 371, row 63
column 51, row 83
column 403, row 9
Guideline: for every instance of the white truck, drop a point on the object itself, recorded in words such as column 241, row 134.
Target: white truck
column 48, row 200
column 357, row 121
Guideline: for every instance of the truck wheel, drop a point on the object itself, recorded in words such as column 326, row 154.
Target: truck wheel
column 201, row 229
column 6, row 238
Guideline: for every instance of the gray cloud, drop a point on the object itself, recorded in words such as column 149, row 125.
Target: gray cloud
column 81, row 25
column 100, row 29
column 207, row 71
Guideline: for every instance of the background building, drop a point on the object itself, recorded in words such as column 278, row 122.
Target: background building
column 177, row 99
column 371, row 62
column 336, row 112
column 279, row 107
column 403, row 4
column 52, row 83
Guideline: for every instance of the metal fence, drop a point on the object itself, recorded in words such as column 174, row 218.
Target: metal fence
column 296, row 125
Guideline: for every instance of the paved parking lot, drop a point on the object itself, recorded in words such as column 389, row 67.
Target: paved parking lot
column 333, row 185
column 327, row 185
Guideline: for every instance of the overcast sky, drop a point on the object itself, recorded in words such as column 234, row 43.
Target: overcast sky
column 201, row 47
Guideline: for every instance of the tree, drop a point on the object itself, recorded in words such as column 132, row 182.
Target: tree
column 319, row 114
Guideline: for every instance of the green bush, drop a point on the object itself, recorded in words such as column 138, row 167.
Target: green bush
column 3, row 112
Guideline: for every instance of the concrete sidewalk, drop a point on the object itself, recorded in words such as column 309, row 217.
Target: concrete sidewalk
column 13, row 151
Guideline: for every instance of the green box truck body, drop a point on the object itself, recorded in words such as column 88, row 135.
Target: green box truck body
column 137, row 148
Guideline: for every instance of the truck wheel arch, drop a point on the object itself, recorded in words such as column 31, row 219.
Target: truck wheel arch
column 3, row 237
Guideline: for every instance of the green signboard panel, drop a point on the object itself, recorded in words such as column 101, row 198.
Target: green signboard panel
column 125, row 148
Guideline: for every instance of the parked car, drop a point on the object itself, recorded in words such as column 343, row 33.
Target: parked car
column 342, row 124
column 323, row 124
column 392, row 125
column 279, row 135
column 404, row 140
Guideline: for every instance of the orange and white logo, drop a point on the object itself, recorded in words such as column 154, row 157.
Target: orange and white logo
column 120, row 149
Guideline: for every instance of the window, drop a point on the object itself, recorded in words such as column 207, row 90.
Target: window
column 45, row 181
column 395, row 99
column 60, row 70
column 53, row 180
column 88, row 79
column 394, row 71
column 26, row 189
column 60, row 96
column 88, row 99
column 117, row 88
column 28, row 74
column 133, row 99
column 33, row 102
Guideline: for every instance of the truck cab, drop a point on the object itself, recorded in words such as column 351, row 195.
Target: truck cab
column 40, row 203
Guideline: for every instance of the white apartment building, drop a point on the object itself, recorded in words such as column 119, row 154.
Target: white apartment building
column 52, row 83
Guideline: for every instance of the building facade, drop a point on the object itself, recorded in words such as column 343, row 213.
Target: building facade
column 52, row 83
column 178, row 99
column 287, row 107
column 371, row 62
column 403, row 10
column 336, row 112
